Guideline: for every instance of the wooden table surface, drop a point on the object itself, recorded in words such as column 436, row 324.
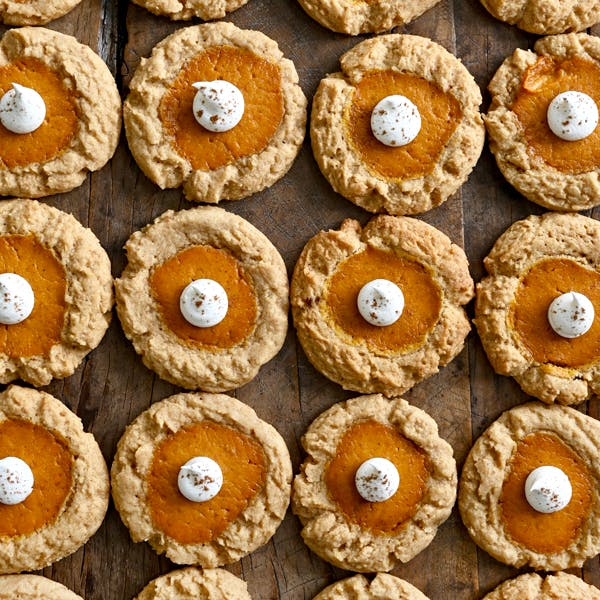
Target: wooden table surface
column 112, row 386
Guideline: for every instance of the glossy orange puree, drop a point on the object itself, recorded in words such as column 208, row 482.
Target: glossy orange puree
column 55, row 133
column 544, row 533
column 51, row 462
column 545, row 281
column 258, row 79
column 440, row 114
column 242, row 462
column 370, row 439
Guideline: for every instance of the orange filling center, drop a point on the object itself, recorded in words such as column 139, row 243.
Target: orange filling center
column 542, row 82
column 544, row 533
column 440, row 114
column 544, row 282
column 34, row 336
column 51, row 462
column 422, row 299
column 370, row 439
column 59, row 126
column 258, row 79
column 242, row 463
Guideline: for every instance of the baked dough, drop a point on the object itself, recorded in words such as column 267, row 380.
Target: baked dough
column 349, row 361
column 345, row 169
column 527, row 172
column 83, row 510
column 161, row 349
column 532, row 586
column 327, row 531
column 485, row 470
column 34, row 12
column 551, row 235
column 383, row 587
column 88, row 295
column 151, row 145
column 364, row 16
column 256, row 523
column 33, row 587
column 98, row 109
column 188, row 9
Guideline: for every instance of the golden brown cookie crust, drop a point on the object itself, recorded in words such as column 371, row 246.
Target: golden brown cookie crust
column 383, row 587
column 359, row 16
column 344, row 168
column 98, row 110
column 552, row 235
column 184, row 10
column 161, row 349
column 150, row 143
column 33, row 587
column 527, row 172
column 86, row 505
column 484, row 472
column 532, row 586
column 34, row 12
column 257, row 522
column 326, row 531
column 546, row 17
column 88, row 296
column 353, row 364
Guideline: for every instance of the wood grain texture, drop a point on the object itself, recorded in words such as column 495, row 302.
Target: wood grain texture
column 112, row 386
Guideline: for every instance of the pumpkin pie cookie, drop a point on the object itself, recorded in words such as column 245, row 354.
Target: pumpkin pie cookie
column 383, row 587
column 201, row 478
column 216, row 109
column 376, row 484
column 546, row 16
column 54, row 484
column 34, row 12
column 60, row 112
column 528, row 488
column 188, row 9
column 33, row 587
column 399, row 129
column 532, row 586
column 538, row 311
column 55, row 292
column 363, row 16
column 379, row 308
column 543, row 119
column 203, row 298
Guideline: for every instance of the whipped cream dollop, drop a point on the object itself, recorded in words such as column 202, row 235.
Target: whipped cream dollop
column 377, row 479
column 16, row 299
column 571, row 314
column 22, row 110
column 204, row 303
column 16, row 480
column 380, row 302
column 572, row 116
column 395, row 121
column 548, row 489
column 200, row 479
column 218, row 105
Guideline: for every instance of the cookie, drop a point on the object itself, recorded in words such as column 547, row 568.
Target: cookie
column 349, row 16
column 53, row 481
column 527, row 492
column 235, row 134
column 545, row 17
column 172, row 261
column 56, row 290
column 63, row 118
column 376, row 484
column 550, row 158
column 202, row 479
column 188, row 9
column 399, row 129
column 33, row 587
column 531, row 325
column 531, row 586
column 423, row 270
column 34, row 12
column 383, row 587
